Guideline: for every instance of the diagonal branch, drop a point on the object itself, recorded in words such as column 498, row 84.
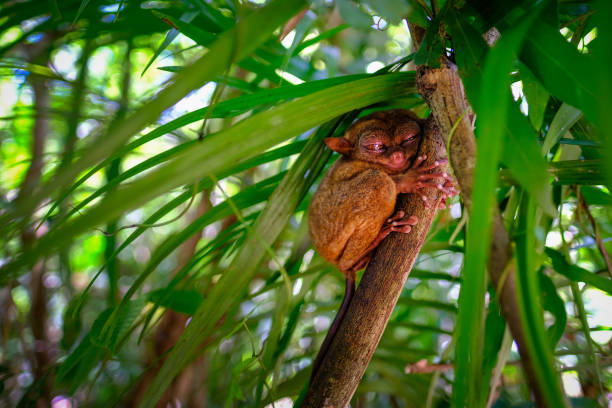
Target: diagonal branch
column 366, row 318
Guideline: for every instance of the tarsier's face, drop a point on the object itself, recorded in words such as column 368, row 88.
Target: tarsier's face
column 388, row 139
column 395, row 148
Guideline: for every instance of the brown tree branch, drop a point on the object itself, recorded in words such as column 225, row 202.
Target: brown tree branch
column 292, row 23
column 366, row 318
column 443, row 90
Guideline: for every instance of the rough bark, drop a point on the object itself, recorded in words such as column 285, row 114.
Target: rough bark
column 443, row 90
column 366, row 318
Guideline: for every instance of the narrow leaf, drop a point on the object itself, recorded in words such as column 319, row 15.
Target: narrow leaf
column 556, row 63
column 537, row 96
column 179, row 300
column 538, row 343
column 523, row 157
column 576, row 273
column 552, row 302
column 493, row 110
column 564, row 119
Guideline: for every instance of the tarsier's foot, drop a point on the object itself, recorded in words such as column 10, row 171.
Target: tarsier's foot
column 396, row 223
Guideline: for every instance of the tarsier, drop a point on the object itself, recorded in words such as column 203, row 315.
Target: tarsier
column 353, row 209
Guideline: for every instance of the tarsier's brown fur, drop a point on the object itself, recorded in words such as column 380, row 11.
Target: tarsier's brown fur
column 352, row 210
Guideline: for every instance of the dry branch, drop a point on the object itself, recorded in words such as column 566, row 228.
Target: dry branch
column 351, row 349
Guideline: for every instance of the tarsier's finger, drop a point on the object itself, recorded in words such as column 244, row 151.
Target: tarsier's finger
column 424, row 184
column 386, row 229
column 397, row 216
column 418, row 161
column 426, row 201
column 444, row 188
column 435, row 164
column 443, row 175
column 412, row 220
column 451, row 185
column 404, row 228
column 449, row 191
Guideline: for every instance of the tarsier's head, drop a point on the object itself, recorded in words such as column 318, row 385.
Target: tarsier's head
column 388, row 138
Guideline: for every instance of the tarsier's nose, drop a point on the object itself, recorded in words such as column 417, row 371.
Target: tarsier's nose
column 397, row 157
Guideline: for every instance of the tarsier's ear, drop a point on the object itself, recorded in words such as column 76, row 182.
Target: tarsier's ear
column 339, row 145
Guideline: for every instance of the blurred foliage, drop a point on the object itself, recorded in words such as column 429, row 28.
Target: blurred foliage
column 157, row 159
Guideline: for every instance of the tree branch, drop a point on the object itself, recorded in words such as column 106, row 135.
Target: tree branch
column 443, row 90
column 351, row 349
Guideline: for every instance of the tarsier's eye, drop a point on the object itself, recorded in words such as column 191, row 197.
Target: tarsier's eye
column 376, row 147
column 409, row 139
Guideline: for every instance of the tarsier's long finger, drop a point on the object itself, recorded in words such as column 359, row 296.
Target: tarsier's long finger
column 450, row 190
column 418, row 161
column 451, row 185
column 424, row 184
column 426, row 201
column 397, row 216
column 443, row 175
column 433, row 165
column 404, row 228
column 444, row 188
column 412, row 220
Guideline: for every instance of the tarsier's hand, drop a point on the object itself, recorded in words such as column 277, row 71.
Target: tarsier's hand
column 418, row 177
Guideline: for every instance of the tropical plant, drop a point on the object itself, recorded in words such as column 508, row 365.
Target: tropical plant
column 158, row 157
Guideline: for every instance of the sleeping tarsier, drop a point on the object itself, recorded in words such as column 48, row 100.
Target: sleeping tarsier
column 353, row 209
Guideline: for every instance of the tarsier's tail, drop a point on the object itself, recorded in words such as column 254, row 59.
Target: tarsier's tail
column 348, row 296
